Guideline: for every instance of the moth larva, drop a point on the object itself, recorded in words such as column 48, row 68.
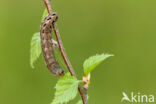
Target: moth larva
column 47, row 45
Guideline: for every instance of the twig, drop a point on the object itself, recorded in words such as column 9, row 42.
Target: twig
column 63, row 53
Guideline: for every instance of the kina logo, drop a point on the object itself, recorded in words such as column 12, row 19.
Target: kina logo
column 137, row 98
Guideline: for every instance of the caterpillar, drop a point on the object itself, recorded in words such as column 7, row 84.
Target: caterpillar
column 47, row 44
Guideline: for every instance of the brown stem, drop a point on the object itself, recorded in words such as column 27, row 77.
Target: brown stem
column 85, row 94
column 62, row 50
column 63, row 53
column 48, row 5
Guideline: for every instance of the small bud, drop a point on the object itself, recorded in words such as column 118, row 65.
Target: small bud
column 86, row 81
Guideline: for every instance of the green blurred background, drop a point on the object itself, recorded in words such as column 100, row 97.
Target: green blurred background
column 125, row 28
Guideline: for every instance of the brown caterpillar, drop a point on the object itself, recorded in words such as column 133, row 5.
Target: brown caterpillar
column 47, row 45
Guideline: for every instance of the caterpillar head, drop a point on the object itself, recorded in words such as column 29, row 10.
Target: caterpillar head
column 53, row 16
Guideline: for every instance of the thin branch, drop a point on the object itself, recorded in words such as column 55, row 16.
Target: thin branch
column 63, row 53
column 62, row 50
column 48, row 5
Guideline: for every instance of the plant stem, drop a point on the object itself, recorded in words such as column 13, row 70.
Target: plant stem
column 63, row 53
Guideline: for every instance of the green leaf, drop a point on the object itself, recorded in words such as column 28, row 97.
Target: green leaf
column 93, row 62
column 45, row 13
column 66, row 89
column 35, row 49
